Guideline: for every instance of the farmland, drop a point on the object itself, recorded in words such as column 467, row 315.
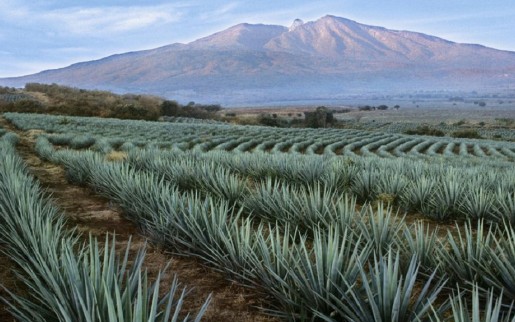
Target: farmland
column 112, row 134
column 327, row 224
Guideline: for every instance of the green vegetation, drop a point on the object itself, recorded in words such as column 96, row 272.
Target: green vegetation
column 69, row 280
column 425, row 130
column 468, row 134
column 56, row 99
column 219, row 136
column 63, row 100
column 189, row 213
column 322, row 117
column 191, row 110
column 324, row 223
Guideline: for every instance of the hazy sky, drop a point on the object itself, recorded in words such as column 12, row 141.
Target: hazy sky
column 43, row 34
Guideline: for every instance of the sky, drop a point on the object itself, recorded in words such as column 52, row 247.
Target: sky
column 37, row 35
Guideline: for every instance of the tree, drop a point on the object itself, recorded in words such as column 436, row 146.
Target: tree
column 170, row 108
column 319, row 118
column 268, row 120
column 213, row 108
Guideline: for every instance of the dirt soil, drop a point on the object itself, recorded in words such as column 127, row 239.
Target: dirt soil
column 8, row 280
column 93, row 214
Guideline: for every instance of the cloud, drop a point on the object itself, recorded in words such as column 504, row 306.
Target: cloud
column 446, row 19
column 219, row 13
column 91, row 21
column 111, row 19
column 66, row 50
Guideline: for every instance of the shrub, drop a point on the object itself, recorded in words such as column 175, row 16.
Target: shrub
column 268, row 120
column 467, row 134
column 425, row 130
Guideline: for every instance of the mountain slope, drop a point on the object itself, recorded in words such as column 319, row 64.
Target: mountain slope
column 240, row 37
column 326, row 58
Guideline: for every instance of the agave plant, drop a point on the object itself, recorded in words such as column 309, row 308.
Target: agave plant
column 270, row 261
column 341, row 175
column 305, row 277
column 60, row 139
column 44, row 148
column 418, row 193
column 386, row 294
column 477, row 310
column 302, row 206
column 270, row 201
column 102, row 145
column 392, row 184
column 140, row 194
column 308, row 171
column 70, row 282
column 421, row 241
column 128, row 147
column 477, row 203
column 203, row 226
column 78, row 165
column 465, row 253
column 221, row 183
column 336, row 263
column 96, row 285
column 448, row 195
column 82, row 142
column 499, row 271
column 381, row 227
column 505, row 210
column 364, row 185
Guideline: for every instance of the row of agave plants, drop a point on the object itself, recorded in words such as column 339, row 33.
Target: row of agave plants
column 312, row 252
column 67, row 278
column 437, row 190
column 348, row 144
column 84, row 131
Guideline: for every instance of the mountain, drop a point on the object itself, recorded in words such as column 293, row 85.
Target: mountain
column 323, row 59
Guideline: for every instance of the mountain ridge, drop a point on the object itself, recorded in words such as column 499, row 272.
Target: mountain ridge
column 326, row 58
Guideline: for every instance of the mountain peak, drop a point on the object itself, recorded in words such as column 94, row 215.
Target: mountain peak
column 335, row 19
column 296, row 23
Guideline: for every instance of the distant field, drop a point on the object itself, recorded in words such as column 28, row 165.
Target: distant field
column 430, row 111
column 436, row 113
column 493, row 121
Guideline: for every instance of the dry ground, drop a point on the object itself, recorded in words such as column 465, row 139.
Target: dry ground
column 95, row 215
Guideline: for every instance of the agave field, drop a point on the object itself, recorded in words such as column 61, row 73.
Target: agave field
column 231, row 138
column 327, row 225
column 69, row 280
column 398, row 127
